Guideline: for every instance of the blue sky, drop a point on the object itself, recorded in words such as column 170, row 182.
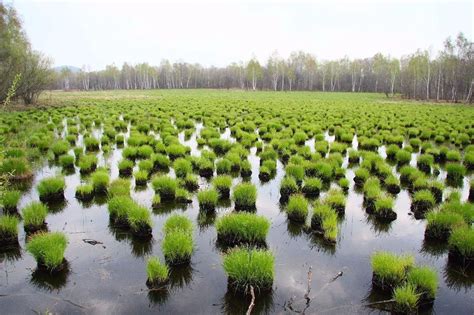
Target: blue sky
column 96, row 33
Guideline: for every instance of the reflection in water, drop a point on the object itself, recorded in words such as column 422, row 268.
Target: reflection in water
column 206, row 219
column 378, row 226
column 158, row 296
column 56, row 206
column 181, row 276
column 295, row 230
column 458, row 277
column 140, row 246
column 434, row 247
column 50, row 281
column 10, row 253
column 238, row 303
column 321, row 244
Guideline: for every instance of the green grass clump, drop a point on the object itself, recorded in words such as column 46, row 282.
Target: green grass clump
column 85, row 192
column 119, row 207
column 425, row 162
column 182, row 167
column 425, row 280
column 325, row 219
column 384, row 207
column 141, row 177
column 389, row 269
column 67, row 161
column 60, row 147
column 178, row 247
column 245, row 196
column 119, row 187
column 139, row 220
column 8, row 229
column 312, row 186
column 222, row 184
column 48, row 249
column 182, row 196
column 125, row 167
column 361, row 175
column 18, row 168
column 157, row 272
column 440, row 224
column 9, row 200
column 87, row 163
column 242, row 227
column 455, row 172
column 423, row 200
column 403, row 157
column 191, row 182
column 208, row 199
column 295, row 171
column 336, row 199
column 406, row 299
column 288, row 186
column 249, row 267
column 34, row 215
column 100, row 181
column 165, row 186
column 461, row 243
column 178, row 222
column 51, row 188
column 297, row 208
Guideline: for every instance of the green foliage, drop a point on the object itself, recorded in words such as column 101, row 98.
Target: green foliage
column 222, row 184
column 242, row 227
column 297, row 208
column 406, row 298
column 425, row 280
column 389, row 268
column 34, row 214
column 462, row 242
column 51, row 187
column 245, row 196
column 8, row 227
column 165, row 186
column 178, row 222
column 156, row 271
column 177, row 247
column 119, row 187
column 100, row 180
column 9, row 199
column 208, row 199
column 48, row 249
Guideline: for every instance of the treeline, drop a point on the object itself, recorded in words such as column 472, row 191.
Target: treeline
column 24, row 73
column 447, row 76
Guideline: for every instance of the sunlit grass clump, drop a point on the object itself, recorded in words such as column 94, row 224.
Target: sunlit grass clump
column 297, row 208
column 157, row 273
column 9, row 200
column 406, row 299
column 288, row 186
column 222, row 184
column 389, row 270
column 178, row 222
column 440, row 224
column 100, row 181
column 165, row 186
column 425, row 281
column 336, row 199
column 8, row 230
column 208, row 199
column 139, row 220
column 119, row 208
column 85, row 192
column 48, row 250
column 178, row 247
column 249, row 267
column 51, row 188
column 312, row 186
column 461, row 245
column 245, row 196
column 119, row 187
column 324, row 220
column 34, row 216
column 242, row 227
column 423, row 200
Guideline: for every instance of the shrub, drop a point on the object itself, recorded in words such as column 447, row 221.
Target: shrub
column 237, row 228
column 312, row 186
column 8, row 230
column 157, row 272
column 406, row 299
column 182, row 167
column 424, row 280
column 249, row 267
column 389, row 270
column 9, row 200
column 67, row 161
column 34, row 215
column 100, row 181
column 288, row 186
column 51, row 188
column 177, row 222
column 177, row 247
column 85, row 192
column 245, row 196
column 222, row 184
column 119, row 187
column 165, row 186
column 208, row 199
column 297, row 208
column 48, row 249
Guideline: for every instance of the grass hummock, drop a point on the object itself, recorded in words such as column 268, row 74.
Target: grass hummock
column 9, row 201
column 440, row 224
column 157, row 273
column 100, row 181
column 85, row 192
column 245, row 196
column 119, row 207
column 139, row 220
column 389, row 270
column 324, row 220
column 337, row 200
column 406, row 299
column 249, row 267
column 119, row 187
column 425, row 281
column 423, row 200
column 34, row 215
column 177, row 222
column 312, row 186
column 461, row 245
column 242, row 228
column 51, row 188
column 288, row 186
column 222, row 184
column 297, row 208
column 178, row 247
column 208, row 199
column 384, row 208
column 166, row 187
column 48, row 250
column 8, row 230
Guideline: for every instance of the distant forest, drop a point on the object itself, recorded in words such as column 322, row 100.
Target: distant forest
column 448, row 75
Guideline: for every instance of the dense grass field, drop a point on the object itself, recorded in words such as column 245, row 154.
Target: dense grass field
column 190, row 201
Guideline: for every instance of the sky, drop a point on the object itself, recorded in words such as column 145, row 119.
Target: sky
column 96, row 33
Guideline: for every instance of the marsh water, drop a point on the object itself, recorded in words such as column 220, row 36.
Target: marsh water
column 109, row 277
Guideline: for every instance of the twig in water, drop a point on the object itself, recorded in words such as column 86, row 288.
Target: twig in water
column 252, row 302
